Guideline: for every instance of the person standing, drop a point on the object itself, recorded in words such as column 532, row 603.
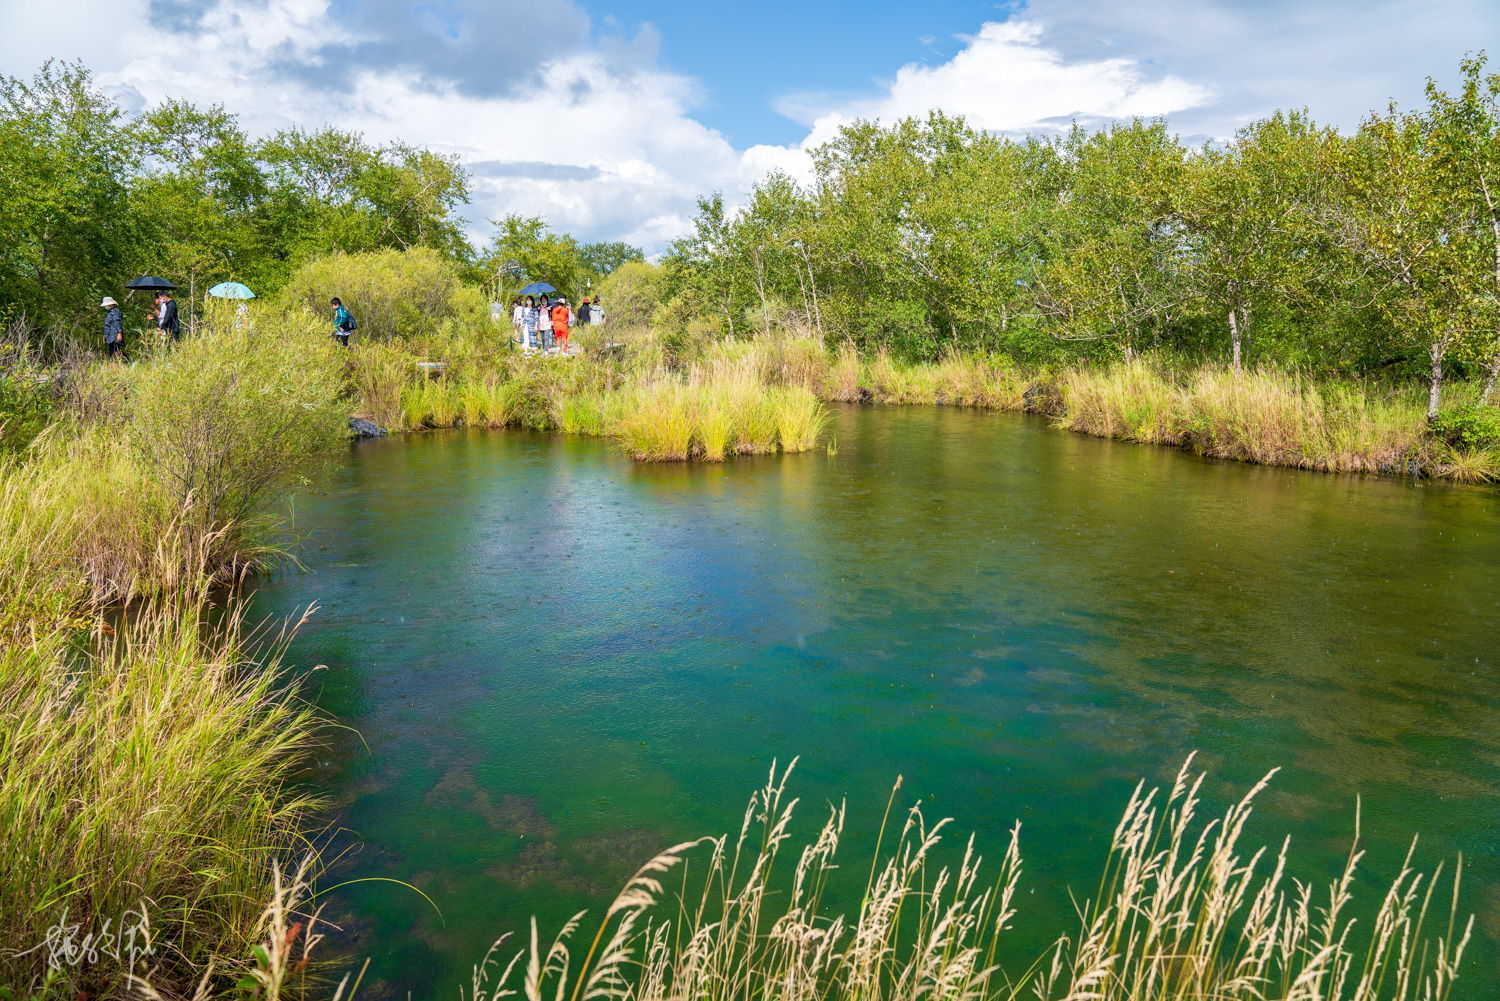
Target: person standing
column 583, row 313
column 560, row 316
column 166, row 316
column 343, row 322
column 596, row 313
column 515, row 321
column 114, row 329
column 544, row 324
column 528, row 324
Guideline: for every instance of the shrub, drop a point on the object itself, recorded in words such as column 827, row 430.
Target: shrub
column 25, row 403
column 1470, row 427
column 390, row 292
column 630, row 294
column 232, row 417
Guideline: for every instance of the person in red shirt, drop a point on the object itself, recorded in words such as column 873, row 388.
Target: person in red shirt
column 560, row 324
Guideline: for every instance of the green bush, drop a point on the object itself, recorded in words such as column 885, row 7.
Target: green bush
column 233, row 418
column 1469, row 427
column 391, row 293
column 25, row 403
column 631, row 294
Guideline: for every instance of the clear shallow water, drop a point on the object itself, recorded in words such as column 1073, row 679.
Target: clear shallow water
column 558, row 661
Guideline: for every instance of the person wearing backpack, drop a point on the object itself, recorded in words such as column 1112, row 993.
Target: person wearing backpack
column 343, row 322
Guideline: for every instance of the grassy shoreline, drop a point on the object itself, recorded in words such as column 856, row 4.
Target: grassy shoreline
column 150, row 735
column 764, row 395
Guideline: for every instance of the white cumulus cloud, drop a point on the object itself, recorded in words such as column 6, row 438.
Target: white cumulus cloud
column 1005, row 79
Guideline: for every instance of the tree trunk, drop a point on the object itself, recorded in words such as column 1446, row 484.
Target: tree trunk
column 760, row 287
column 1435, row 388
column 817, row 310
column 1489, row 380
column 1234, row 335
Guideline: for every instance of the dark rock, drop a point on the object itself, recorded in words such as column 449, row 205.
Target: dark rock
column 1041, row 398
column 365, row 429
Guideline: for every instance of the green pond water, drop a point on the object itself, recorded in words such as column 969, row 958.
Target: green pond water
column 554, row 662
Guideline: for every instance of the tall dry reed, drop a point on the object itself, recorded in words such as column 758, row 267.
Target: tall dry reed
column 1183, row 911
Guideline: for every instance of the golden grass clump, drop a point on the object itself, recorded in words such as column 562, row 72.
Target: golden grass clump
column 659, row 425
column 1265, row 416
column 979, row 381
column 1130, row 401
column 843, row 377
column 713, row 413
column 801, row 418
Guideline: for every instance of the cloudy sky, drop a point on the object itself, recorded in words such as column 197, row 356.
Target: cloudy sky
column 609, row 117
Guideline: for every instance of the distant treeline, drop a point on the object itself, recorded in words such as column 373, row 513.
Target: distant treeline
column 1373, row 252
column 91, row 197
column 1292, row 244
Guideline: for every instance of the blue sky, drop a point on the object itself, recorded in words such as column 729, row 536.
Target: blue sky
column 752, row 57
column 611, row 117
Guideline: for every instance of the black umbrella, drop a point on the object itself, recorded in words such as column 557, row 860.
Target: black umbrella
column 149, row 283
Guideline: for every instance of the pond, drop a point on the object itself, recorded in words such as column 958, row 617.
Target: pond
column 554, row 662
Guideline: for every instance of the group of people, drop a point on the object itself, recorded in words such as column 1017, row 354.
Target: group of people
column 163, row 318
column 544, row 325
column 540, row 326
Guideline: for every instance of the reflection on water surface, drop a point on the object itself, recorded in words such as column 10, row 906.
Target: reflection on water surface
column 558, row 661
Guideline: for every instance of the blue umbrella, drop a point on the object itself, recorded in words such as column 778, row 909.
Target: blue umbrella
column 535, row 288
column 231, row 290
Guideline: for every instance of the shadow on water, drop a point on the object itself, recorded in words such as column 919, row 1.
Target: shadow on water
column 559, row 661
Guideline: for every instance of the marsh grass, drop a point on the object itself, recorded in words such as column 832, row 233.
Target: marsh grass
column 713, row 415
column 801, row 418
column 659, row 424
column 1267, row 416
column 1183, row 910
column 485, row 403
column 148, row 736
column 753, row 397
column 144, row 767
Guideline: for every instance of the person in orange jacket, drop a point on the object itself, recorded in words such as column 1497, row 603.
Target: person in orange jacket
column 560, row 323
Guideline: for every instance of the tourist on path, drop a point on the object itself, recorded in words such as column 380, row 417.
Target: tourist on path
column 515, row 320
column 114, row 329
column 343, row 322
column 596, row 313
column 583, row 313
column 560, row 323
column 544, row 323
column 166, row 316
column 528, row 324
